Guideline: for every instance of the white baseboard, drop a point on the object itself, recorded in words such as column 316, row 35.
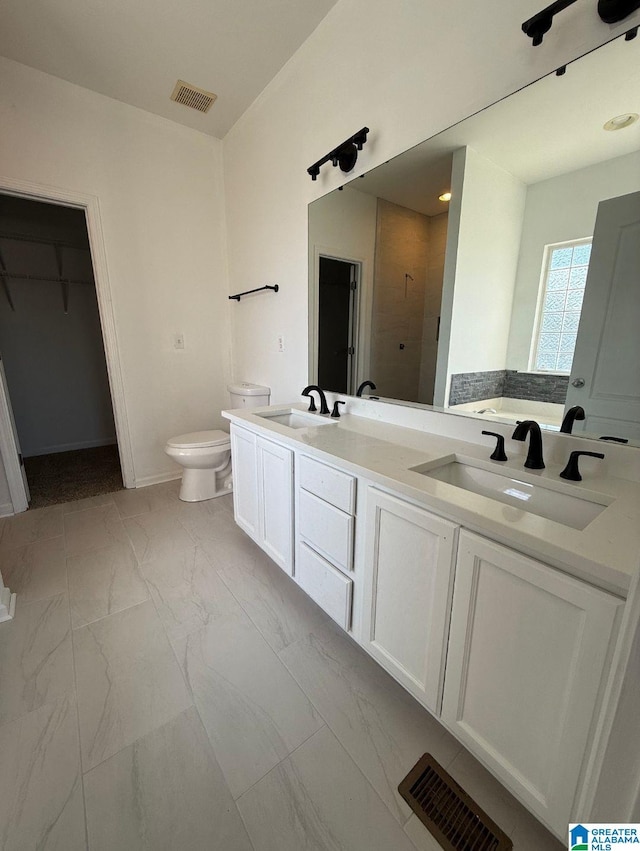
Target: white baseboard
column 145, row 481
column 6, row 509
column 69, row 447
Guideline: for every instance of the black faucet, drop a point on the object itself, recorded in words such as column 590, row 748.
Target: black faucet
column 364, row 385
column 573, row 414
column 498, row 453
column 534, row 456
column 571, row 471
column 324, row 408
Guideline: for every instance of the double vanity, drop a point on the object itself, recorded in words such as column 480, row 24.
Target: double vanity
column 497, row 596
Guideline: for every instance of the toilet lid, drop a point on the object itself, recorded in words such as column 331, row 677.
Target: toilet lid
column 199, row 439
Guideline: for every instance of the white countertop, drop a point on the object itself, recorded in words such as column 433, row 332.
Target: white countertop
column 605, row 553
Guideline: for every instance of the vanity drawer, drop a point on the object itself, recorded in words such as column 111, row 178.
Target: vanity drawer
column 323, row 583
column 327, row 529
column 332, row 485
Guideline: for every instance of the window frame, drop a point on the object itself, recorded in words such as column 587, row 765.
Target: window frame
column 542, row 292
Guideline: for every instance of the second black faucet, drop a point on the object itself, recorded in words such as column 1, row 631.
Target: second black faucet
column 324, row 408
column 534, row 456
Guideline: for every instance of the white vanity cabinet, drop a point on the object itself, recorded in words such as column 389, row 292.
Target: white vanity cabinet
column 528, row 651
column 325, row 523
column 511, row 654
column 244, row 463
column 407, row 579
column 263, row 493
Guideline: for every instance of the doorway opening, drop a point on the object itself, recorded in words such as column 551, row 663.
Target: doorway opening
column 53, row 368
column 337, row 324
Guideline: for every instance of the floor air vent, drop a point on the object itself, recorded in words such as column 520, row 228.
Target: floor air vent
column 453, row 818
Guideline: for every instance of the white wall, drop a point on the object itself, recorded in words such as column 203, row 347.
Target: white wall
column 406, row 70
column 487, row 211
column 160, row 192
column 557, row 210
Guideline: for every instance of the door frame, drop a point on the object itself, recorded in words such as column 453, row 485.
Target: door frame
column 360, row 364
column 91, row 206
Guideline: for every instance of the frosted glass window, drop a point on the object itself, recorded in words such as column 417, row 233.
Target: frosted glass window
column 564, row 280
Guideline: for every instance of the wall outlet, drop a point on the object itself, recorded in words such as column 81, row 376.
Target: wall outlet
column 178, row 341
column 280, row 343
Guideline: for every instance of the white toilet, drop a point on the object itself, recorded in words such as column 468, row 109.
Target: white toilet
column 206, row 455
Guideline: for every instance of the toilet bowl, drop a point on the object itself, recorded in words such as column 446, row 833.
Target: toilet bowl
column 206, row 459
column 205, row 456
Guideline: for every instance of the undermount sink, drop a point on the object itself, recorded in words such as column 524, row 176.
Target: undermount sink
column 296, row 419
column 567, row 509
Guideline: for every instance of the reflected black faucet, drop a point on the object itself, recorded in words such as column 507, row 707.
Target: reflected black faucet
column 364, row 385
column 534, row 456
column 573, row 414
column 324, row 408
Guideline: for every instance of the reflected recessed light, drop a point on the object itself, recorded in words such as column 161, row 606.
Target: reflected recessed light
column 621, row 121
column 446, row 196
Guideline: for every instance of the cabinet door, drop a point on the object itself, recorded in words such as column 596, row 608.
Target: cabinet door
column 245, row 480
column 528, row 647
column 275, row 494
column 408, row 555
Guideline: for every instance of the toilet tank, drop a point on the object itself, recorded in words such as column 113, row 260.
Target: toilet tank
column 245, row 395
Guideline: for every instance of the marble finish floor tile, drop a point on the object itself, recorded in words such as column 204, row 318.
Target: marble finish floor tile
column 41, row 804
column 36, row 571
column 529, row 835
column 30, row 526
column 487, row 792
column 277, row 606
column 128, row 681
column 421, row 836
column 36, row 665
column 187, row 592
column 317, row 799
column 133, row 501
column 93, row 529
column 384, row 730
column 102, row 582
column 168, row 793
column 215, row 530
column 252, row 709
column 87, row 502
column 157, row 534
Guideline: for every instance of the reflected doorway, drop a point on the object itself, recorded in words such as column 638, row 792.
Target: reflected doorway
column 337, row 323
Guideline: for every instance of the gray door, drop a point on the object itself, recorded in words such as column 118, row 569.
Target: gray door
column 605, row 376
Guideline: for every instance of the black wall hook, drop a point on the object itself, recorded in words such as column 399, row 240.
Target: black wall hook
column 345, row 155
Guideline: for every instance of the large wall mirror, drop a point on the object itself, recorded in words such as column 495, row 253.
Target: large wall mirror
column 517, row 296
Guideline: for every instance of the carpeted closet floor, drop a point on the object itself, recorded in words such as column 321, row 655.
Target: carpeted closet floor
column 67, row 476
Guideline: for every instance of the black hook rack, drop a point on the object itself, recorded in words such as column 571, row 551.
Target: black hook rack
column 238, row 296
column 345, row 155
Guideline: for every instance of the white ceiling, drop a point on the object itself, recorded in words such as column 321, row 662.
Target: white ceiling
column 546, row 129
column 135, row 51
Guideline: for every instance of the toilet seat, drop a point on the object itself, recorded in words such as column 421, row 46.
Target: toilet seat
column 199, row 439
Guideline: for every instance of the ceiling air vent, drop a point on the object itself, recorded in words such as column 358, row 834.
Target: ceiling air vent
column 192, row 96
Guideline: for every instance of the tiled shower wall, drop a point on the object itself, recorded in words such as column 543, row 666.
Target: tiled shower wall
column 474, row 386
column 409, row 262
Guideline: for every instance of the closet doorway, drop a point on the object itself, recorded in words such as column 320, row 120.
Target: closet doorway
column 53, row 369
